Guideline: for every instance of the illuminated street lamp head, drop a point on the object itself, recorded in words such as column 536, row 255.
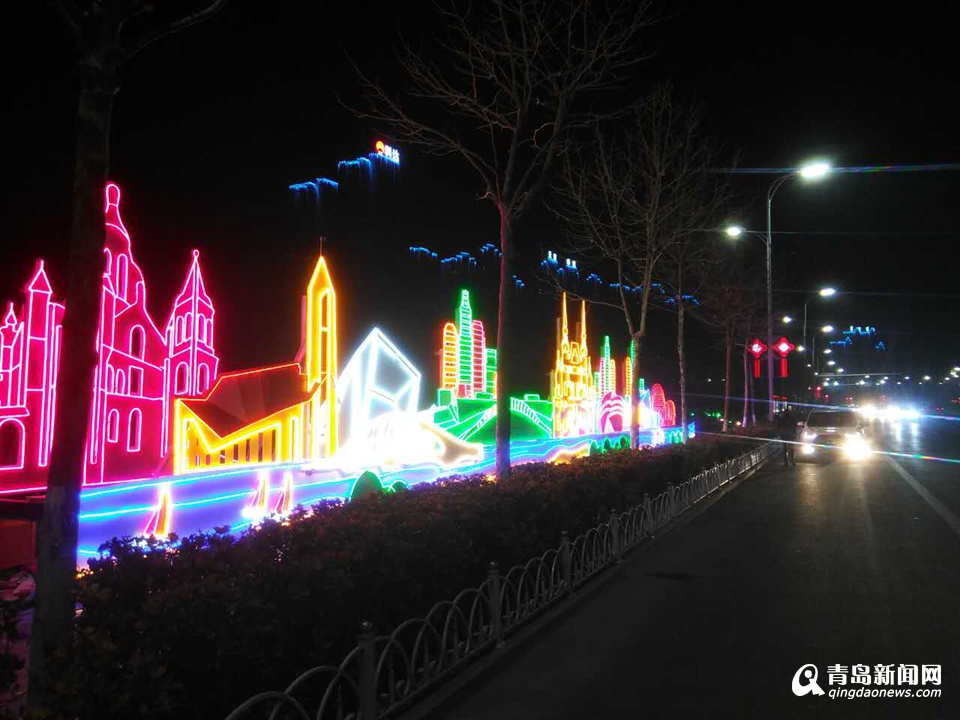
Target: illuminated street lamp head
column 828, row 292
column 839, row 370
column 827, row 328
column 926, row 377
column 814, row 170
column 787, row 319
column 734, row 231
column 827, row 351
column 801, row 348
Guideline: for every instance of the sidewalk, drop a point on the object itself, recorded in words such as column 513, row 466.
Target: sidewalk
column 795, row 566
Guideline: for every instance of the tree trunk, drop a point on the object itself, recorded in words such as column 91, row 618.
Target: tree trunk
column 746, row 383
column 57, row 534
column 504, row 318
column 728, row 338
column 637, row 352
column 682, row 362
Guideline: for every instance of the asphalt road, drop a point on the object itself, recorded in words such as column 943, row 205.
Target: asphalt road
column 831, row 564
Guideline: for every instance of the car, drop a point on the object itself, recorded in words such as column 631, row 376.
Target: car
column 831, row 432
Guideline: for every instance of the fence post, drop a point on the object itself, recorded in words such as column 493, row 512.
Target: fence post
column 648, row 523
column 368, row 671
column 671, row 501
column 494, row 604
column 566, row 562
column 615, row 534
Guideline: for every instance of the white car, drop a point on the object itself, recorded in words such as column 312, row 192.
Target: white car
column 828, row 432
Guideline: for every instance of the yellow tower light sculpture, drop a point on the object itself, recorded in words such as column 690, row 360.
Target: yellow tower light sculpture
column 572, row 382
column 321, row 362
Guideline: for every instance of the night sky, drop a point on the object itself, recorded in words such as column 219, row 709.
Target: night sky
column 211, row 127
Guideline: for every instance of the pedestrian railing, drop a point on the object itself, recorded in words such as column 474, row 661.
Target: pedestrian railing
column 385, row 674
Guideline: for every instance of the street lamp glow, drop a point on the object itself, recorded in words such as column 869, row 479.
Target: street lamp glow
column 801, row 348
column 814, row 170
column 839, row 370
column 831, row 363
column 828, row 292
column 787, row 319
column 734, row 231
column 926, row 377
column 827, row 351
column 827, row 328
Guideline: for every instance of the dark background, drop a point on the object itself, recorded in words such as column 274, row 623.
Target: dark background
column 211, row 127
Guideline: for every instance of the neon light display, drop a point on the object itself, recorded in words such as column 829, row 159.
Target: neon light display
column 571, row 382
column 274, row 414
column 449, row 357
column 783, row 348
column 605, row 378
column 138, row 373
column 757, row 349
column 467, row 366
column 379, row 391
column 391, row 154
column 176, row 445
column 29, row 362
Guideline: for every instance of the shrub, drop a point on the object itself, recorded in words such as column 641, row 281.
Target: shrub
column 189, row 630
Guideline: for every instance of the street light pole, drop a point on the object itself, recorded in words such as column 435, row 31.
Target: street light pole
column 769, row 242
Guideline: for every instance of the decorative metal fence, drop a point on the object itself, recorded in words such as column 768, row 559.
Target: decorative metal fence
column 385, row 674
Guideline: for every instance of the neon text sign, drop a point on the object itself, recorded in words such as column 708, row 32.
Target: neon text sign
column 390, row 153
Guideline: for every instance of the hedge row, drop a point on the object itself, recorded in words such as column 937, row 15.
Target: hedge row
column 192, row 630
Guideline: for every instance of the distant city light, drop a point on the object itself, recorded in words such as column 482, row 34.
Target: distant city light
column 801, row 348
column 827, row 351
column 839, row 370
column 827, row 328
column 831, row 362
column 787, row 319
column 828, row 292
column 926, row 377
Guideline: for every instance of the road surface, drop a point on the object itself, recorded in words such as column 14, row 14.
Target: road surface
column 831, row 564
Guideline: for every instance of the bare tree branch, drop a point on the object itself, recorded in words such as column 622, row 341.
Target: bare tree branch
column 170, row 28
column 502, row 89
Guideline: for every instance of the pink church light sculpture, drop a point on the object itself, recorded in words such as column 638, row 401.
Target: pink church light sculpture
column 139, row 370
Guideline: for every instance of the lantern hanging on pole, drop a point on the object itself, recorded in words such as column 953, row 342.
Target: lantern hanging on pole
column 757, row 348
column 783, row 348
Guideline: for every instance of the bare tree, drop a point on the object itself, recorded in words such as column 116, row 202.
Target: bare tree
column 729, row 297
column 684, row 203
column 105, row 35
column 600, row 199
column 502, row 90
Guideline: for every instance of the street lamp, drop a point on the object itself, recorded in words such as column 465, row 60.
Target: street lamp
column 787, row 319
column 810, row 171
column 822, row 292
column 827, row 328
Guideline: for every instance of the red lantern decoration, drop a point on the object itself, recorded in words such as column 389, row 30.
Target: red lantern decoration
column 783, row 348
column 757, row 348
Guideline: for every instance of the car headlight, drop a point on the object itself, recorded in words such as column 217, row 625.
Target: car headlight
column 856, row 447
column 809, row 436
